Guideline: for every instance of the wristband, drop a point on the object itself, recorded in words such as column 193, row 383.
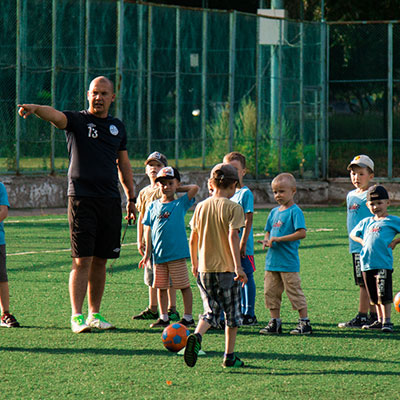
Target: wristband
column 132, row 200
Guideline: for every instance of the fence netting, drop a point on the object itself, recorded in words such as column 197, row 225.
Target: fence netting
column 192, row 84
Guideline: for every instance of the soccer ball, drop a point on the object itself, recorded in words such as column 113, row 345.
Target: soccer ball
column 174, row 337
column 396, row 302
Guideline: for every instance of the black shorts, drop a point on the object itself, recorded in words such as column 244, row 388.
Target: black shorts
column 95, row 226
column 358, row 276
column 379, row 285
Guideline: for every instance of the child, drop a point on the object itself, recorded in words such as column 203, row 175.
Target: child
column 285, row 228
column 215, row 256
column 376, row 236
column 7, row 319
column 155, row 161
column 165, row 233
column 361, row 172
column 244, row 197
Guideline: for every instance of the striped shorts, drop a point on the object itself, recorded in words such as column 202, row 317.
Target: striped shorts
column 175, row 270
column 218, row 291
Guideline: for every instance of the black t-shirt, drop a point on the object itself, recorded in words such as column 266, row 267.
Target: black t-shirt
column 93, row 146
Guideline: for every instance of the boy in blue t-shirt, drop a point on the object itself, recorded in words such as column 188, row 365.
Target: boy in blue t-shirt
column 361, row 173
column 244, row 197
column 7, row 319
column 285, row 228
column 376, row 236
column 166, row 240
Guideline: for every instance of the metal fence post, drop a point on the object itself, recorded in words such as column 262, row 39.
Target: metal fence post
column 87, row 35
column 177, row 83
column 324, row 83
column 258, row 94
column 140, row 71
column 82, row 31
column 280, row 100
column 149, row 67
column 53, row 80
column 390, row 101
column 232, row 62
column 18, row 79
column 119, row 58
column 204, row 89
column 301, row 95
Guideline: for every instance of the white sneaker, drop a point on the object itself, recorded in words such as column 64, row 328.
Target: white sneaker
column 78, row 324
column 97, row 321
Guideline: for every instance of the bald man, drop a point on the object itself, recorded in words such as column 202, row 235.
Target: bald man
column 98, row 157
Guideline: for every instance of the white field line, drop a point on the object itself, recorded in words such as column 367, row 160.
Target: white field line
column 308, row 230
column 18, row 221
column 24, row 253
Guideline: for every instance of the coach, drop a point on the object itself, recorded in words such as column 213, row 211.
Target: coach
column 97, row 157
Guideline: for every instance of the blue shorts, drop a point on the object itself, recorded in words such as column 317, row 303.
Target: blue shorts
column 248, row 264
column 219, row 291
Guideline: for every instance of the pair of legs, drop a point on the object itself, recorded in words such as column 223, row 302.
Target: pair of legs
column 164, row 298
column 275, row 283
column 88, row 276
column 364, row 302
column 248, row 292
column 153, row 299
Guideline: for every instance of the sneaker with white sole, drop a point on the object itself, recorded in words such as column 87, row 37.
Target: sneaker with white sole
column 78, row 324
column 98, row 321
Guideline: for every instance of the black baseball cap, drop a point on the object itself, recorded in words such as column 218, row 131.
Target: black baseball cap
column 168, row 173
column 377, row 192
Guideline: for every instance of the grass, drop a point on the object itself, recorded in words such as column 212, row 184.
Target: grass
column 45, row 360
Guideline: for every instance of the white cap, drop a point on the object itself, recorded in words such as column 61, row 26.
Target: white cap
column 362, row 161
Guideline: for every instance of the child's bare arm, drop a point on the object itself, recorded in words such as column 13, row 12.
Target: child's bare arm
column 193, row 246
column 394, row 243
column 191, row 190
column 140, row 242
column 147, row 254
column 357, row 239
column 298, row 235
column 248, row 222
column 234, row 244
column 3, row 213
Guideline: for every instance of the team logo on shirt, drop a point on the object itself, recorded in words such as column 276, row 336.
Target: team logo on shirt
column 92, row 132
column 113, row 130
column 375, row 229
column 354, row 207
column 277, row 224
column 164, row 215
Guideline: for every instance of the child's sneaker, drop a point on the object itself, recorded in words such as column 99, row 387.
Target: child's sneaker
column 274, row 327
column 357, row 322
column 160, row 323
column 375, row 325
column 146, row 314
column 78, row 324
column 192, row 349
column 187, row 323
column 173, row 315
column 96, row 320
column 303, row 328
column 387, row 327
column 235, row 363
column 9, row 321
column 249, row 320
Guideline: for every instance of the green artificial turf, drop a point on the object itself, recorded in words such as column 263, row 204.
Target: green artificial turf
column 45, row 360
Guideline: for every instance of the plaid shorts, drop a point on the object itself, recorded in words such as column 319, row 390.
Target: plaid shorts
column 219, row 291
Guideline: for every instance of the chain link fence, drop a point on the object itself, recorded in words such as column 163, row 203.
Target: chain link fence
column 196, row 84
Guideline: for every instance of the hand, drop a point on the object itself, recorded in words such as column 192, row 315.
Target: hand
column 240, row 276
column 131, row 212
column 144, row 261
column 393, row 244
column 26, row 109
column 243, row 250
column 195, row 270
column 264, row 242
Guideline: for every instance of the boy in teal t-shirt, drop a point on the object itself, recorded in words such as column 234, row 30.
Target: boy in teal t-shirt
column 285, row 228
column 7, row 319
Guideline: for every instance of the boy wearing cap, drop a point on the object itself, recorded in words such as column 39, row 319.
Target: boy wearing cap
column 155, row 161
column 215, row 256
column 361, row 173
column 166, row 240
column 376, row 236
